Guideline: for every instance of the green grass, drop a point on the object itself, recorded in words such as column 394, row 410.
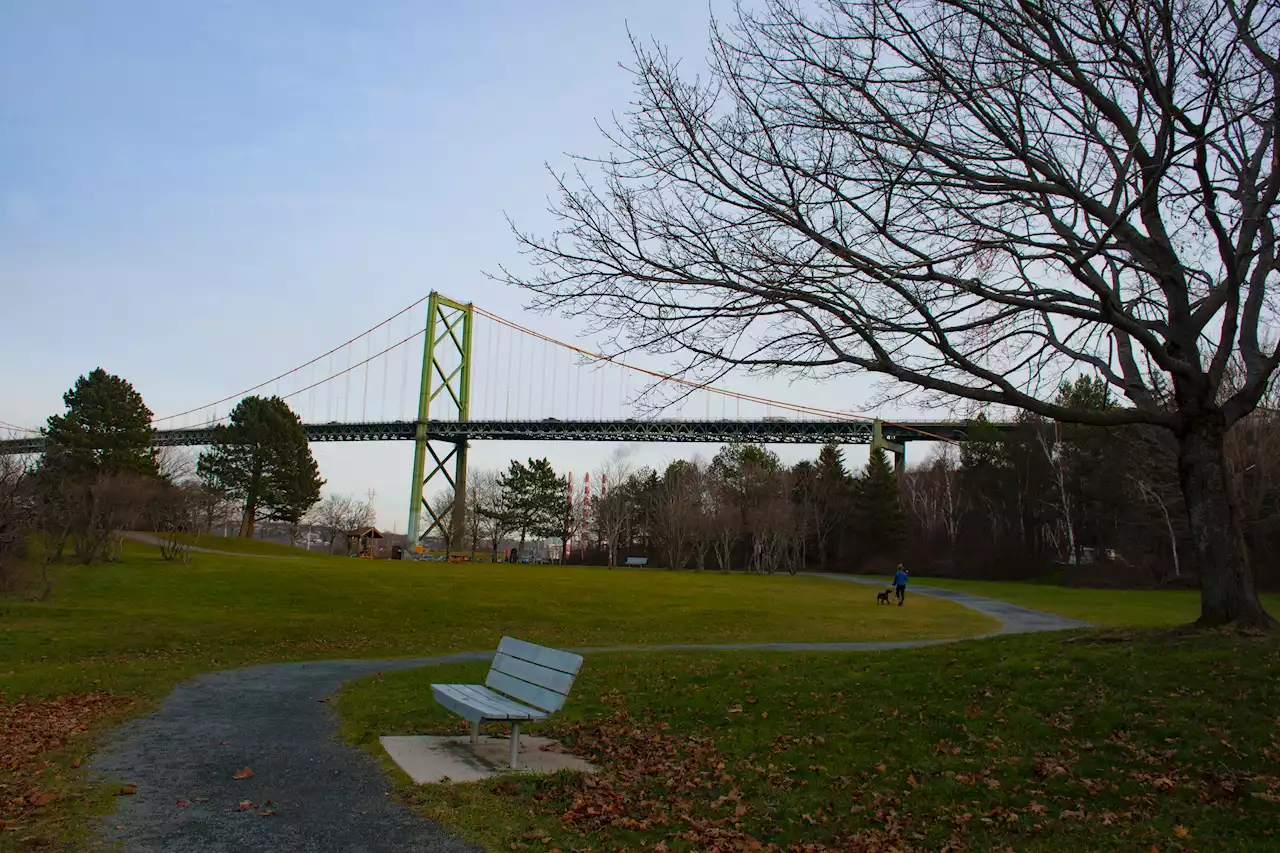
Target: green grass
column 1057, row 743
column 135, row 628
column 138, row 625
column 1103, row 607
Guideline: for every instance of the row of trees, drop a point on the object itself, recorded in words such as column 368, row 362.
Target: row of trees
column 744, row 509
column 101, row 474
column 1049, row 492
column 1007, row 503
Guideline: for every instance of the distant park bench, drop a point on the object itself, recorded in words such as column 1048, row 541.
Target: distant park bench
column 526, row 684
column 637, row 561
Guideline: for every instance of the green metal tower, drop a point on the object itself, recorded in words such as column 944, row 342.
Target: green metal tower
column 899, row 451
column 446, row 381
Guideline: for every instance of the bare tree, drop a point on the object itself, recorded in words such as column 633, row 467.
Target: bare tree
column 176, row 464
column 487, row 510
column 677, row 509
column 612, row 507
column 338, row 515
column 17, row 517
column 442, row 506
column 726, row 519
column 1053, row 454
column 176, row 513
column 971, row 197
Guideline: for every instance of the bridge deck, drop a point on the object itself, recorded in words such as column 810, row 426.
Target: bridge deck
column 714, row 432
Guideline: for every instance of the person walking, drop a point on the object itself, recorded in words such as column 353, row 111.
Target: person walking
column 900, row 584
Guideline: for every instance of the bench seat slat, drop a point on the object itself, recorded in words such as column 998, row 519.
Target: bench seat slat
column 474, row 702
column 566, row 662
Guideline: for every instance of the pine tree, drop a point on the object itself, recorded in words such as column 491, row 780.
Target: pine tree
column 833, row 494
column 106, row 430
column 532, row 499
column 878, row 512
column 261, row 458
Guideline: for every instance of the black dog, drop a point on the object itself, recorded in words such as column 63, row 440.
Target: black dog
column 883, row 597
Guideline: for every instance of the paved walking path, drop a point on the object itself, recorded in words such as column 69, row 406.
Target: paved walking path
column 324, row 795
column 152, row 539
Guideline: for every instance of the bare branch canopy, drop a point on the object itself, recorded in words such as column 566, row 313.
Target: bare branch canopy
column 971, row 198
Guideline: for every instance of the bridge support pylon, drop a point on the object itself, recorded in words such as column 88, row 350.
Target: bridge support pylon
column 445, row 391
column 899, row 451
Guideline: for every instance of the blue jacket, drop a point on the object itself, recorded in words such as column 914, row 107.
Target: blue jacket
column 900, row 578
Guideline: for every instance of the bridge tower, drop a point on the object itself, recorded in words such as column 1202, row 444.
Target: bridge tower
column 446, row 382
column 898, row 450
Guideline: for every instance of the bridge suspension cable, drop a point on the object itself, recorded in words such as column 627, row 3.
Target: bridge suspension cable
column 530, row 377
column 7, row 425
column 665, row 377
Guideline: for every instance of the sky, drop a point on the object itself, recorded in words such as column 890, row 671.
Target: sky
column 199, row 195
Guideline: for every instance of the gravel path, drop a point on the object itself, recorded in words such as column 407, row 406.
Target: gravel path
column 323, row 795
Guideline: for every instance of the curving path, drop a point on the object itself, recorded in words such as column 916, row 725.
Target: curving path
column 324, row 795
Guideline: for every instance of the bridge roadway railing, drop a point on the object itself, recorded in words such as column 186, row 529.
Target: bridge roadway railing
column 772, row 431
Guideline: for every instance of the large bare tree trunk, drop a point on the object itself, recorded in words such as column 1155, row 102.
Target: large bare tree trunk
column 1228, row 590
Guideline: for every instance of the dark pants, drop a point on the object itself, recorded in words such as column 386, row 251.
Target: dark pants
column 901, row 590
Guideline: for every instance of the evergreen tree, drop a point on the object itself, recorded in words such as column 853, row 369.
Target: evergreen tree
column 878, row 513
column 106, row 430
column 261, row 458
column 532, row 499
column 833, row 496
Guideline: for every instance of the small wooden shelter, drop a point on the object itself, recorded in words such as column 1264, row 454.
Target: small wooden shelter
column 364, row 542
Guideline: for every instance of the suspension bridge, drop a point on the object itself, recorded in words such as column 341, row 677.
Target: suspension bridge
column 531, row 387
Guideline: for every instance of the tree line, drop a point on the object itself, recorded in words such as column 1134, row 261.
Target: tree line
column 1105, row 499
column 743, row 510
column 101, row 474
column 1103, row 504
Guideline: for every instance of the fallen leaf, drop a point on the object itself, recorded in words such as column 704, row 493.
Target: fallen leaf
column 243, row 774
column 182, row 803
column 43, row 799
column 266, row 813
column 1181, row 831
column 127, row 792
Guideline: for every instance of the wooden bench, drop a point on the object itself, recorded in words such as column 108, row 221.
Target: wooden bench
column 637, row 561
column 526, row 684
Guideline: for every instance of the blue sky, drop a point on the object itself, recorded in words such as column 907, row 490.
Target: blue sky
column 197, row 195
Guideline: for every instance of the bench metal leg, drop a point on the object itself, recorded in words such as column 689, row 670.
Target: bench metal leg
column 515, row 746
column 475, row 732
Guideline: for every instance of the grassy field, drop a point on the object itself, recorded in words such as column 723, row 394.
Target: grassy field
column 797, row 733
column 1102, row 607
column 1159, row 741
column 114, row 639
column 139, row 624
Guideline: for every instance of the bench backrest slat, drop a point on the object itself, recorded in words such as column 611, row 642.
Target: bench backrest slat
column 534, row 675
column 541, row 655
